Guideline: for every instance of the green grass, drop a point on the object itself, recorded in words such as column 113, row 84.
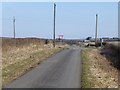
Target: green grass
column 87, row 78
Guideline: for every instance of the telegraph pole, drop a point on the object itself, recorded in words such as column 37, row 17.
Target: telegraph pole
column 54, row 25
column 14, row 26
column 96, row 31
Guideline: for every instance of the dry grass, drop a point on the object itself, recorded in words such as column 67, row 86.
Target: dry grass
column 18, row 60
column 86, row 76
column 100, row 73
column 112, row 51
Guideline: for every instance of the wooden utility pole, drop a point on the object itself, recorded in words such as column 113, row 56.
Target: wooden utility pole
column 14, row 26
column 54, row 25
column 96, row 31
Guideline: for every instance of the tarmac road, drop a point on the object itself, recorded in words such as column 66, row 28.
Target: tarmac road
column 62, row 70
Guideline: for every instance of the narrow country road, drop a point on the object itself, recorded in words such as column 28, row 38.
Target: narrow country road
column 60, row 71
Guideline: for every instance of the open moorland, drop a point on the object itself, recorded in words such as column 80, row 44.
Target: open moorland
column 22, row 54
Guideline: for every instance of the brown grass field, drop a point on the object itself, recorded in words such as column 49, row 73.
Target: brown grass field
column 101, row 66
column 21, row 55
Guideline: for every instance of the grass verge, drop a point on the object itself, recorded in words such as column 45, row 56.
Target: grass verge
column 97, row 71
column 21, row 60
column 87, row 79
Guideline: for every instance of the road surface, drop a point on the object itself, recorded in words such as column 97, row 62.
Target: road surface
column 60, row 71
